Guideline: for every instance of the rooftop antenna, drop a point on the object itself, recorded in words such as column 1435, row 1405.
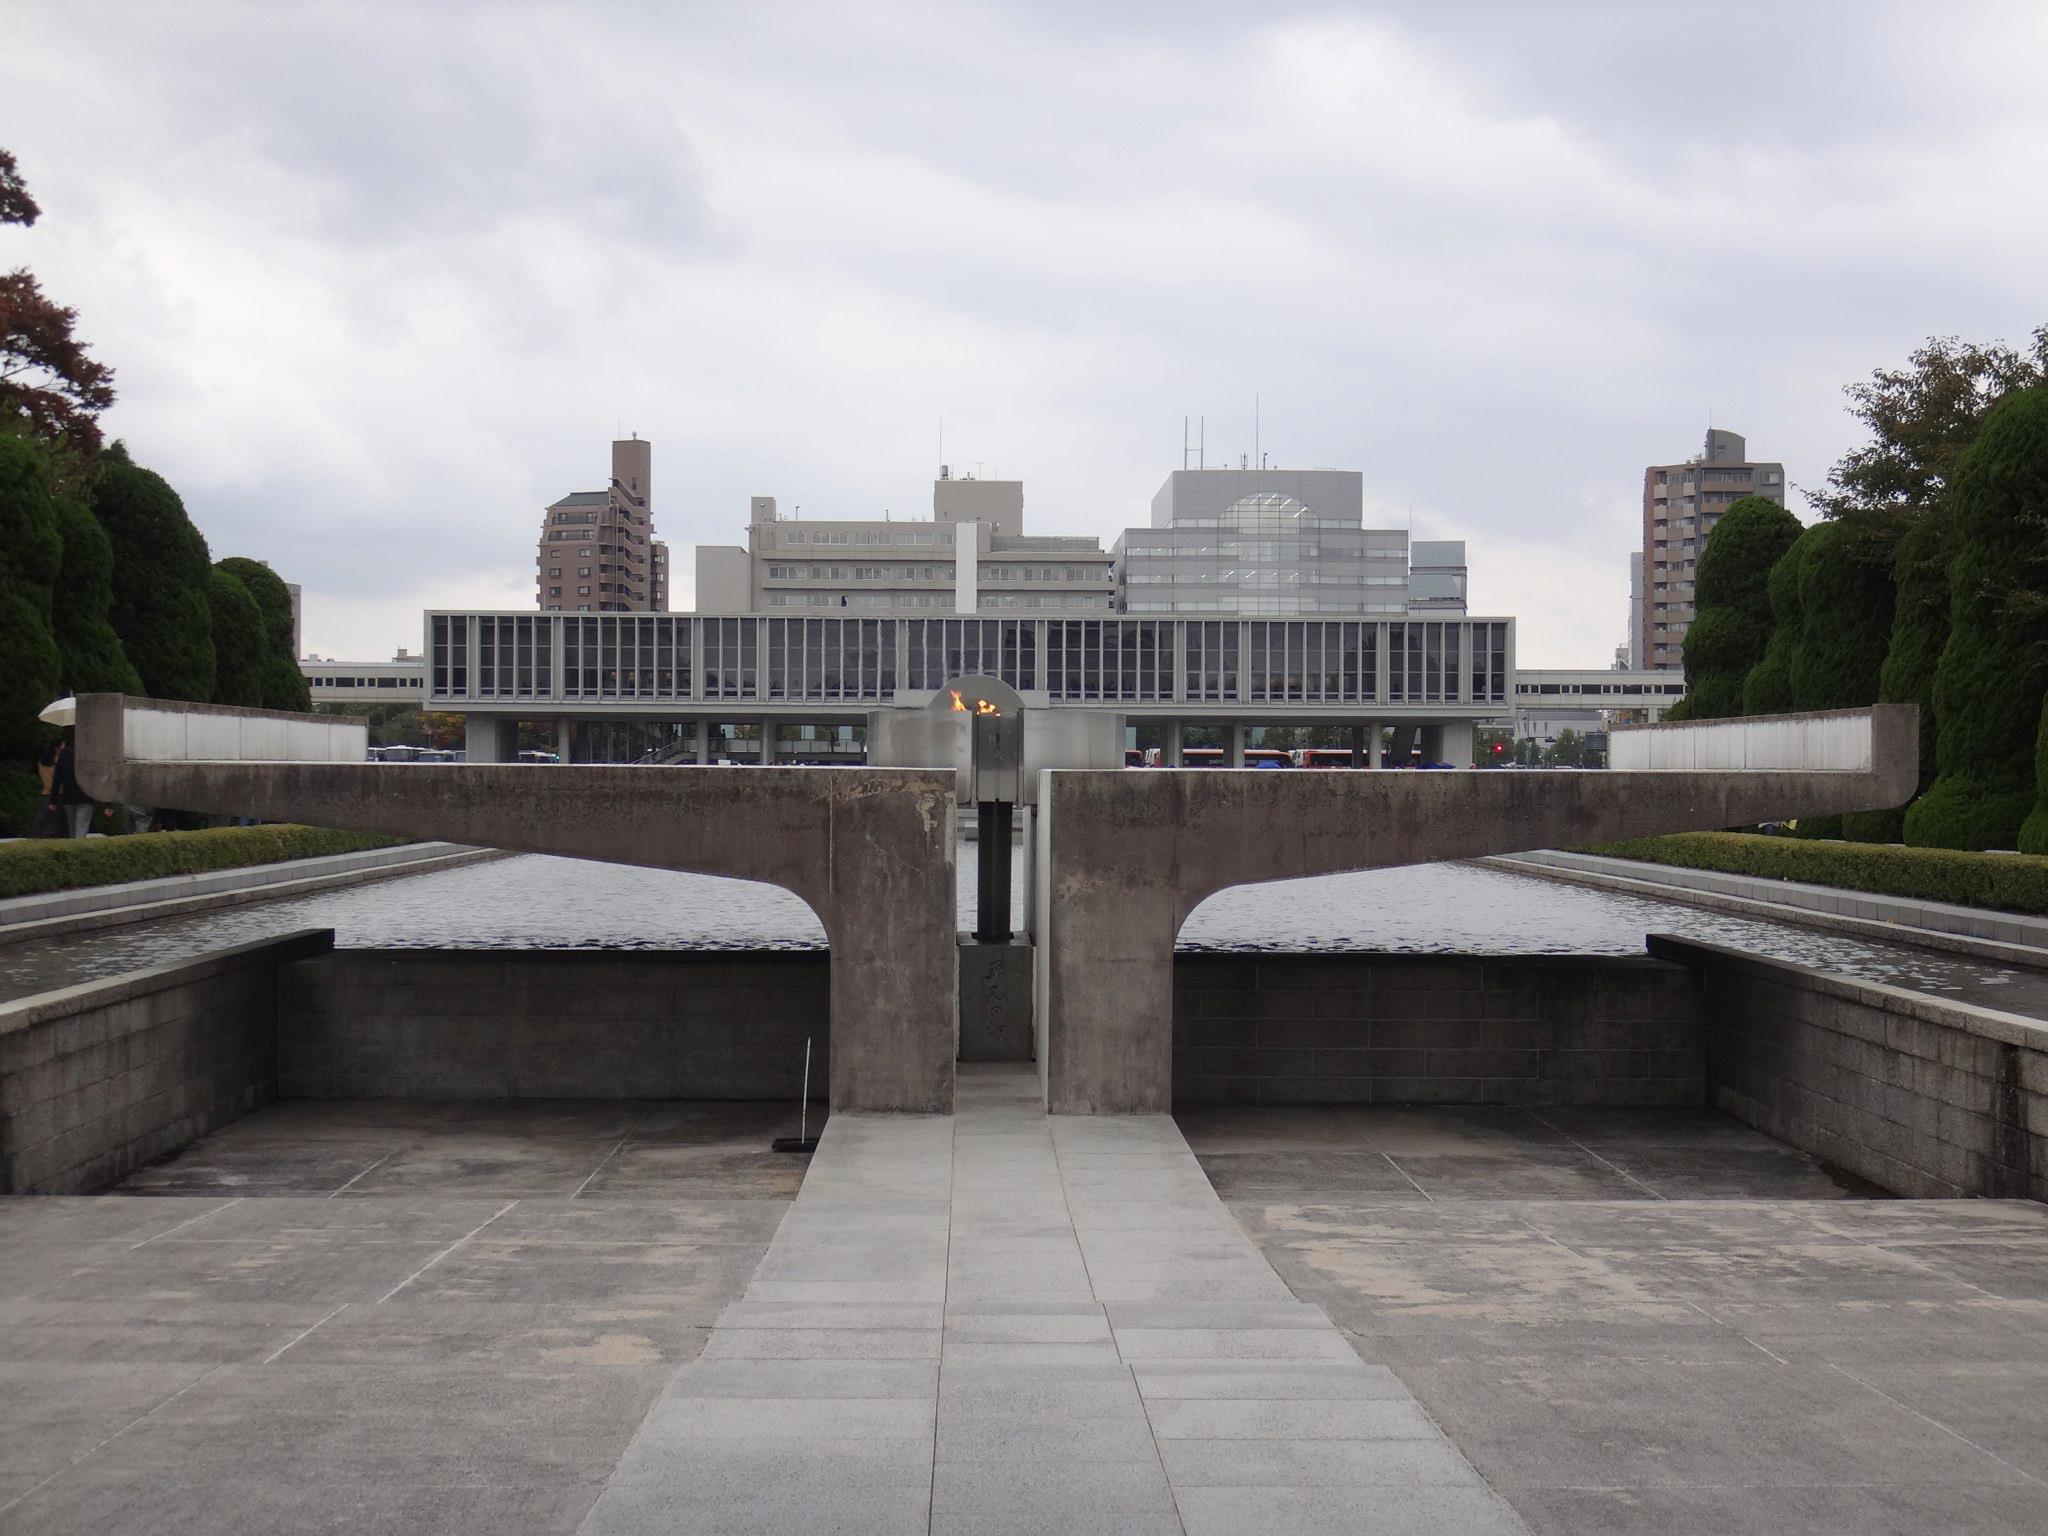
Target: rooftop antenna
column 1255, row 433
column 1183, row 441
column 1202, row 444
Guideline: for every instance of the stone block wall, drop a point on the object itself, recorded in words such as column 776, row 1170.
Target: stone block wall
column 1429, row 1029
column 97, row 1080
column 553, row 1024
column 1926, row 1097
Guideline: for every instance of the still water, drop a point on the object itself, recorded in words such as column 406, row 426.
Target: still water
column 533, row 902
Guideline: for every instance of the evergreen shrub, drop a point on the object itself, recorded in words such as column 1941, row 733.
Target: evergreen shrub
column 35, row 865
column 2006, row 882
column 1993, row 673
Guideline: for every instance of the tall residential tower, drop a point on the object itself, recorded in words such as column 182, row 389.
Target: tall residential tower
column 598, row 552
column 1681, row 504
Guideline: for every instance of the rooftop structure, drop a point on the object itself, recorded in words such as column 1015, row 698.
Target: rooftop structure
column 973, row 556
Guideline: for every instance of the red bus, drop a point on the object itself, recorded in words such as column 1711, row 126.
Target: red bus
column 1254, row 757
column 1322, row 757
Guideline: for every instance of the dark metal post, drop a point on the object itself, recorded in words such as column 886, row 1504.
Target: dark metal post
column 992, row 861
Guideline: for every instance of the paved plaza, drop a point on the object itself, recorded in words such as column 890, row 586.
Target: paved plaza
column 1661, row 1321
column 624, row 1318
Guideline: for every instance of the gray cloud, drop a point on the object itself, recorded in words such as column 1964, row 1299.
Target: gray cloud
column 381, row 280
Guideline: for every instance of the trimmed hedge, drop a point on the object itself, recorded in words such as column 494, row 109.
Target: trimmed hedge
column 33, row 866
column 1732, row 623
column 1993, row 672
column 2005, row 882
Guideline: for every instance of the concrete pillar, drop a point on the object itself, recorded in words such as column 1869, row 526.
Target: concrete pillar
column 1457, row 743
column 1234, row 747
column 562, row 738
column 767, row 742
column 488, row 739
column 1375, row 745
column 1357, row 746
column 1170, row 753
column 1404, row 744
column 703, row 729
column 1433, row 742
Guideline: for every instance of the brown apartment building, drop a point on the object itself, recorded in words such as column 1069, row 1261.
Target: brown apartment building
column 598, row 552
column 1681, row 504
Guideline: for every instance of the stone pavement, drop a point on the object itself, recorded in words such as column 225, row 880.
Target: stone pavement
column 1013, row 1323
column 1662, row 1321
column 510, row 1318
column 372, row 1317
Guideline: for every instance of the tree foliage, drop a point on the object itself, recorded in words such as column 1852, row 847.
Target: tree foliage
column 1768, row 688
column 93, row 659
column 1846, row 598
column 1921, row 418
column 284, row 685
column 1919, row 630
column 31, row 553
column 2034, row 830
column 46, row 374
column 1732, row 623
column 161, row 579
column 1993, row 673
column 240, row 644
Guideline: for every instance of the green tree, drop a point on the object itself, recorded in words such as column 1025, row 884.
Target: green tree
column 1768, row 688
column 93, row 659
column 1846, row 597
column 240, row 643
column 1732, row 625
column 2034, row 830
column 1993, row 673
column 46, row 375
column 1568, row 751
column 1921, row 419
column 284, row 685
column 1920, row 564
column 161, row 578
column 31, row 553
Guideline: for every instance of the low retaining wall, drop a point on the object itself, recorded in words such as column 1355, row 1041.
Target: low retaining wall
column 98, row 1079
column 1926, row 1097
column 446, row 1024
column 1435, row 1029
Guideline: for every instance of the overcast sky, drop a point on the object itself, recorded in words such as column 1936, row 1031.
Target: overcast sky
column 382, row 280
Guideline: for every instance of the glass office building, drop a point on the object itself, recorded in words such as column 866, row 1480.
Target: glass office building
column 1262, row 541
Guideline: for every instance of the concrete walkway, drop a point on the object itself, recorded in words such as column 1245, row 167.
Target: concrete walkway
column 1002, row 1322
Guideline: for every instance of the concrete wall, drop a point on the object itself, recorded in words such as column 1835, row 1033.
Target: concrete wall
column 1125, row 857
column 869, row 850
column 364, row 1023
column 1926, row 1097
column 1840, row 740
column 97, row 1080
column 1430, row 1029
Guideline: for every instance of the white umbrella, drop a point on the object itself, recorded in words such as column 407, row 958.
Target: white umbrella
column 63, row 712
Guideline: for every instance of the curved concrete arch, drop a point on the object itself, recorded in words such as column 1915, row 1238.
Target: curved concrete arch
column 1125, row 856
column 870, row 851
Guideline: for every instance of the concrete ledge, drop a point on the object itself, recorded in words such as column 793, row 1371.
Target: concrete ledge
column 1305, row 1028
column 92, row 908
column 1928, row 1097
column 713, row 1024
column 2009, row 938
column 98, row 1079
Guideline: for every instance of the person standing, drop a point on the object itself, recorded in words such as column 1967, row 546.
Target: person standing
column 48, row 822
column 67, row 795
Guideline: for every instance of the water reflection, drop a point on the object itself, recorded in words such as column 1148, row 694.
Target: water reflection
column 532, row 902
